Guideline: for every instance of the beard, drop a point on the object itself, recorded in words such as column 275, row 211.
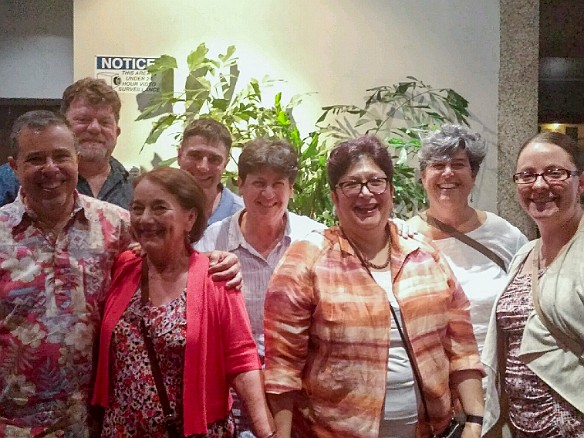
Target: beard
column 93, row 154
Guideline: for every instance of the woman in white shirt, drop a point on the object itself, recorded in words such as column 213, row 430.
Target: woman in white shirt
column 450, row 160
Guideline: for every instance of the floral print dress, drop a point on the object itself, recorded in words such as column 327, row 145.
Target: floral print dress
column 135, row 408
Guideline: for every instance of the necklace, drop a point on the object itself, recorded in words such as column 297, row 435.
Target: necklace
column 364, row 260
column 384, row 265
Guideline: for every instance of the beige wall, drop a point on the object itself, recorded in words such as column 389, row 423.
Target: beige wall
column 336, row 48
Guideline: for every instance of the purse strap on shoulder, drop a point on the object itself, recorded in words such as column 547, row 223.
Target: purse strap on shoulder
column 453, row 232
column 169, row 417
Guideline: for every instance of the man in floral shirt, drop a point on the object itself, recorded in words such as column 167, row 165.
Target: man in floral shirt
column 56, row 251
column 57, row 248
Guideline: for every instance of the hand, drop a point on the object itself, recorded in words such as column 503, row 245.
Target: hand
column 471, row 430
column 225, row 266
column 404, row 229
column 135, row 248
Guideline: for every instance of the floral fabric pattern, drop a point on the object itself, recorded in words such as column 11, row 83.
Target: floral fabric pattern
column 52, row 288
column 535, row 409
column 135, row 408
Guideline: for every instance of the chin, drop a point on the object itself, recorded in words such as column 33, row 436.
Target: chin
column 548, row 213
column 93, row 156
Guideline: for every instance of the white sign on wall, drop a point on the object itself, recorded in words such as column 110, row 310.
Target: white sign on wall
column 127, row 74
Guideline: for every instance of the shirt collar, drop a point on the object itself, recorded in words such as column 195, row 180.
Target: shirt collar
column 235, row 237
column 22, row 217
column 401, row 247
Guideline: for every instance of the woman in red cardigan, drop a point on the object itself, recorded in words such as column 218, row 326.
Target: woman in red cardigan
column 172, row 341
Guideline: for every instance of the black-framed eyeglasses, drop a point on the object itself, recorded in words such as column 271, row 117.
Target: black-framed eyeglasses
column 549, row 175
column 352, row 189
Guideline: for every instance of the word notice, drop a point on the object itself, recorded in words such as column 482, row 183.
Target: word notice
column 127, row 74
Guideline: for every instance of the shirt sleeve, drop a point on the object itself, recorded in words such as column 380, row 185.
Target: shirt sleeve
column 288, row 310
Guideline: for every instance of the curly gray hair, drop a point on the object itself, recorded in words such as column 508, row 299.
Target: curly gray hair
column 442, row 144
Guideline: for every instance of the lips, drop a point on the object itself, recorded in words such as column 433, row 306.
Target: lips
column 50, row 184
column 366, row 210
column 91, row 140
column 542, row 200
column 268, row 204
column 447, row 186
column 150, row 233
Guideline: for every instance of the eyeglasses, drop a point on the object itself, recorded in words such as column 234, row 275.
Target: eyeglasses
column 352, row 189
column 549, row 176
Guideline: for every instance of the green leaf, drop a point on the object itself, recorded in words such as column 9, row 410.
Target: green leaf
column 162, row 64
column 228, row 54
column 159, row 127
column 197, row 56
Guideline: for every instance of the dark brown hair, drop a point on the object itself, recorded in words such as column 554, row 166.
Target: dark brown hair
column 209, row 129
column 37, row 120
column 564, row 141
column 263, row 153
column 349, row 152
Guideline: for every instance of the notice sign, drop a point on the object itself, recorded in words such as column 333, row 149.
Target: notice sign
column 127, row 74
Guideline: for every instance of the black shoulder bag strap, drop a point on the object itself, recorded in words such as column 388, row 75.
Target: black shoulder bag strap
column 449, row 432
column 169, row 418
column 466, row 240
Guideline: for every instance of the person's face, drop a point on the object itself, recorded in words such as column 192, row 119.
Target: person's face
column 449, row 181
column 95, row 127
column 265, row 194
column 557, row 201
column 365, row 211
column 159, row 223
column 204, row 160
column 46, row 167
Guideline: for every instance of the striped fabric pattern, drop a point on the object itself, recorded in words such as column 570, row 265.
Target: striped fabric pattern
column 327, row 329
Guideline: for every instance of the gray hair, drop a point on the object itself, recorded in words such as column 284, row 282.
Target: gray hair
column 448, row 140
column 38, row 121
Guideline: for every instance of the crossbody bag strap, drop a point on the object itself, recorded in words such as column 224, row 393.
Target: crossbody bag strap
column 169, row 417
column 405, row 340
column 448, row 229
column 561, row 337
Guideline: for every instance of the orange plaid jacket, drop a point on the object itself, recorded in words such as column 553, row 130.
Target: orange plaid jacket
column 327, row 327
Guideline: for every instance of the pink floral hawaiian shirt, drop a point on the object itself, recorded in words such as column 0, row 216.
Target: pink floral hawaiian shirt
column 52, row 288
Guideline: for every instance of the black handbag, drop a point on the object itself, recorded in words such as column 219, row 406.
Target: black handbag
column 454, row 430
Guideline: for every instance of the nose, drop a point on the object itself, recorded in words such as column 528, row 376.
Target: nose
column 146, row 215
column 268, row 191
column 539, row 182
column 447, row 169
column 203, row 164
column 94, row 125
column 50, row 165
column 364, row 190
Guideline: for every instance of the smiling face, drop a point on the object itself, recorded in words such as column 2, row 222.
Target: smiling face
column 449, row 182
column 46, row 167
column 95, row 127
column 365, row 211
column 557, row 202
column 265, row 194
column 204, row 160
column 159, row 223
